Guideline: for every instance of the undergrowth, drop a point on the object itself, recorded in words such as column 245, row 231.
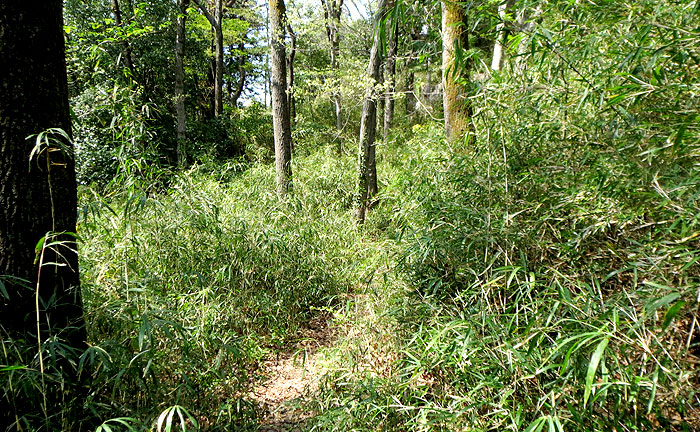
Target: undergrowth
column 186, row 291
column 547, row 272
column 544, row 274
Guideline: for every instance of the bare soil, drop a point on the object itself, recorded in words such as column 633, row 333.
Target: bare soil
column 292, row 377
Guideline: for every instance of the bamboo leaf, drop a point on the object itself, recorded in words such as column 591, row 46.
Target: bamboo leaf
column 671, row 313
column 593, row 367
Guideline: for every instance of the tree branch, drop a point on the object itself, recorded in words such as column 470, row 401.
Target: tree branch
column 206, row 13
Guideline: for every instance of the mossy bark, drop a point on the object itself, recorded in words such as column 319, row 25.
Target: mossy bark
column 457, row 111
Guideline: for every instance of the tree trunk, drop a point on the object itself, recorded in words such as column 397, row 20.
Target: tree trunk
column 180, row 82
column 367, row 168
column 219, row 43
column 457, row 111
column 390, row 76
column 526, row 21
column 267, row 91
column 126, row 50
column 497, row 58
column 216, row 22
column 381, row 98
column 38, row 197
column 410, row 93
column 280, row 109
column 291, row 101
column 240, row 85
column 332, row 11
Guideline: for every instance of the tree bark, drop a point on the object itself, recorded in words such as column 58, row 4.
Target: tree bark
column 280, row 108
column 457, row 111
column 219, row 43
column 367, row 168
column 180, row 82
column 215, row 20
column 240, row 85
column 381, row 98
column 411, row 95
column 291, row 100
column 390, row 75
column 38, row 197
column 526, row 21
column 410, row 101
column 126, row 50
column 332, row 11
column 497, row 58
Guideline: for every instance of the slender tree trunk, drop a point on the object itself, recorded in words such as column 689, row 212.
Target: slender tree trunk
column 291, row 100
column 235, row 95
column 526, row 21
column 266, row 74
column 337, row 105
column 390, row 76
column 38, row 200
column 211, row 80
column 497, row 58
column 180, row 82
column 126, row 47
column 367, row 169
column 457, row 111
column 219, row 42
column 332, row 10
column 381, row 98
column 280, row 108
column 410, row 93
column 216, row 21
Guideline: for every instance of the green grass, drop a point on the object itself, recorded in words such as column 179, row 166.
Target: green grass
column 187, row 290
column 545, row 276
column 556, row 304
column 492, row 288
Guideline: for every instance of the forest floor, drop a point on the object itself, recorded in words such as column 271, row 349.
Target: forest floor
column 292, row 377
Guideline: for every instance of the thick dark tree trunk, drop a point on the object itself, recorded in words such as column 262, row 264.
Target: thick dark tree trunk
column 280, row 108
column 37, row 197
column 366, row 164
column 390, row 75
column 457, row 111
column 180, row 82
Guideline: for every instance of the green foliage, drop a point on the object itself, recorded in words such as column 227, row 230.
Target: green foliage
column 553, row 264
column 543, row 278
column 36, row 376
column 186, row 291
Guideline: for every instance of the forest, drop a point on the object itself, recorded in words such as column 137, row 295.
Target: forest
column 350, row 215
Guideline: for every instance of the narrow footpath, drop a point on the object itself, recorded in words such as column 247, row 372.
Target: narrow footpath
column 293, row 377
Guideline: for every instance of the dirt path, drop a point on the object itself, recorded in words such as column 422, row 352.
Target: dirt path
column 291, row 377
